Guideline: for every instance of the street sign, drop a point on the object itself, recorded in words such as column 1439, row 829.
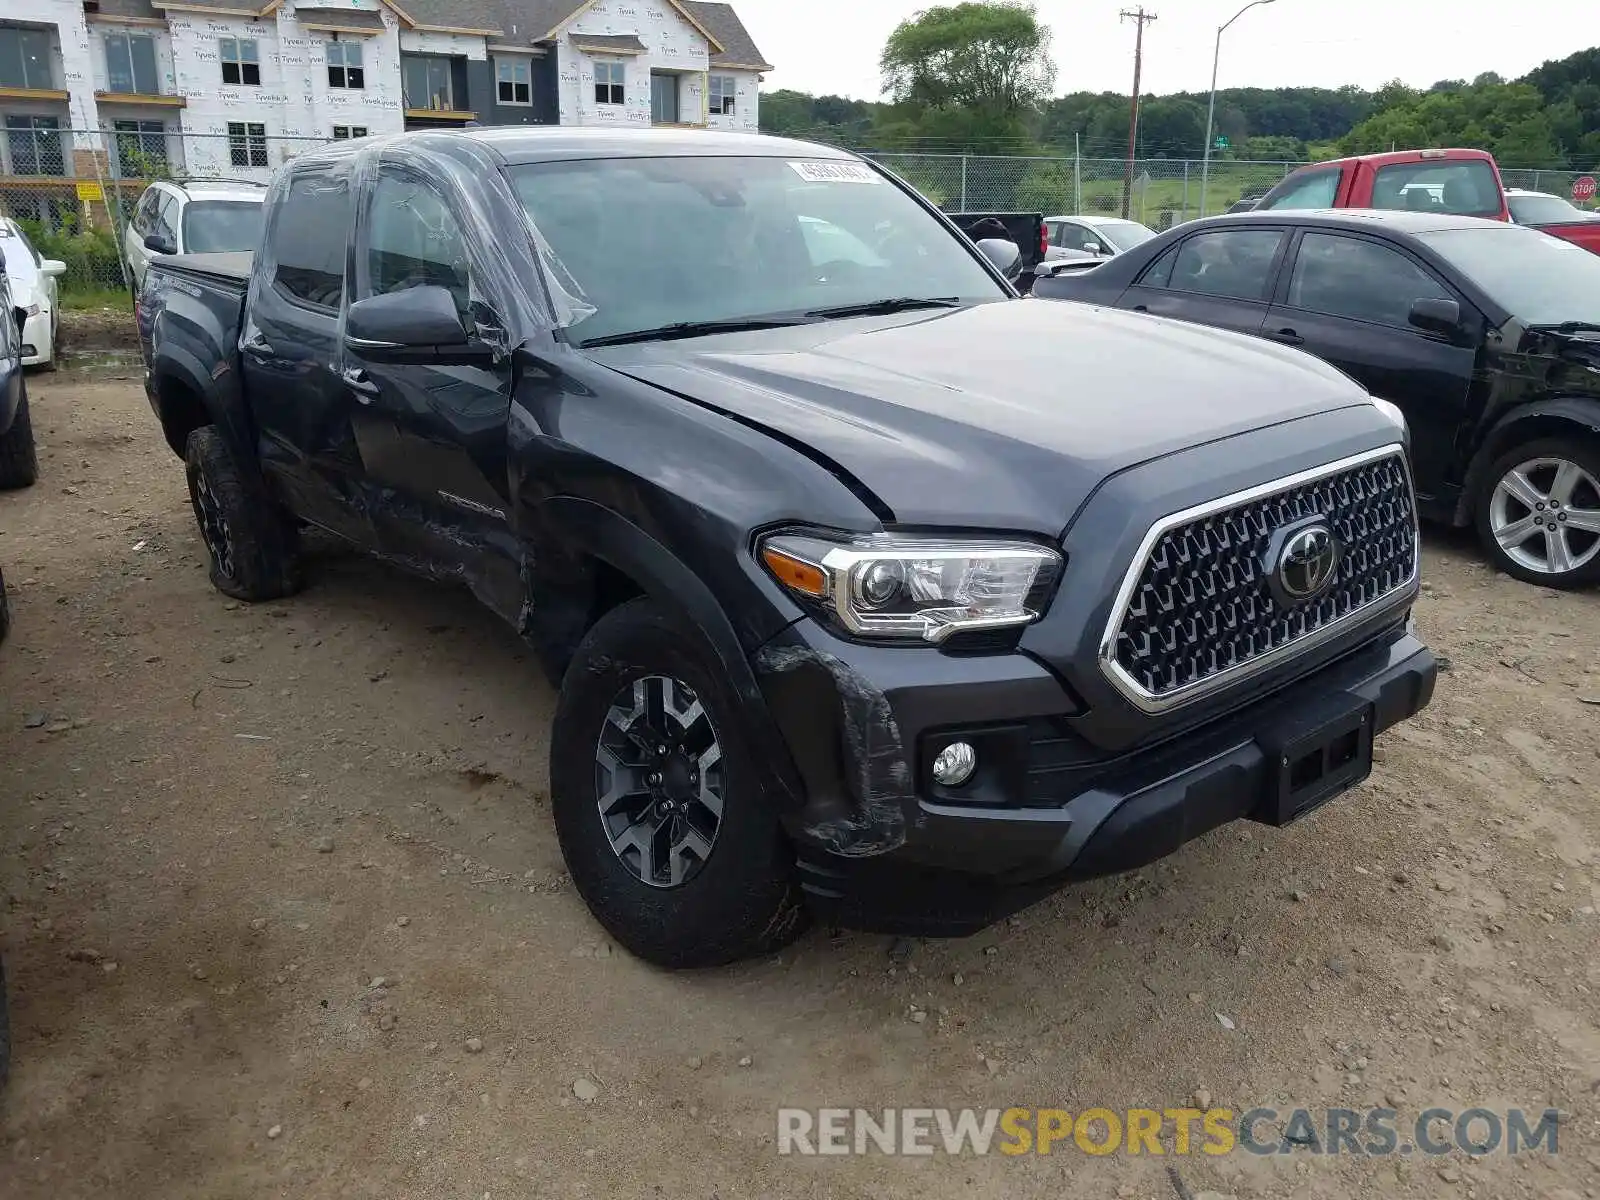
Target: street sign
column 90, row 192
column 1583, row 189
column 1221, row 143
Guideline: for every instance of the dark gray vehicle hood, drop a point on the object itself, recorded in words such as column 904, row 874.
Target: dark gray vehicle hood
column 1002, row 416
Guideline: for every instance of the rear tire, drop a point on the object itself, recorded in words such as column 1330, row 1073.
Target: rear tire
column 249, row 542
column 694, row 871
column 19, row 457
column 1538, row 512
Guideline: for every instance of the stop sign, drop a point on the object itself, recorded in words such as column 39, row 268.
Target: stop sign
column 1583, row 189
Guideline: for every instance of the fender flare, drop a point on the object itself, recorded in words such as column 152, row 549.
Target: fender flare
column 177, row 364
column 586, row 527
column 1579, row 412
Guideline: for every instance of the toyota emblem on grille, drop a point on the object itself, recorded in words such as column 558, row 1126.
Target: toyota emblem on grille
column 1307, row 563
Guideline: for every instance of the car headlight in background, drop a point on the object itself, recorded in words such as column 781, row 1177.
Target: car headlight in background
column 914, row 588
column 1394, row 416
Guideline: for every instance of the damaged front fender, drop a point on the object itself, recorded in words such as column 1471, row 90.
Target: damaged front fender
column 847, row 746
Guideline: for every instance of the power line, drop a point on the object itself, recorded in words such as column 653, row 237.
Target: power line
column 1140, row 19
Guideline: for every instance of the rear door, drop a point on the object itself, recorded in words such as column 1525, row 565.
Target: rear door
column 1347, row 299
column 289, row 350
column 431, row 425
column 1220, row 277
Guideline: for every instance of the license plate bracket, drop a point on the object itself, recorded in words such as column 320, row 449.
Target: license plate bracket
column 1316, row 753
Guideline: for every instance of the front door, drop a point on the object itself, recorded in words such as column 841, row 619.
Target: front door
column 1221, row 277
column 663, row 99
column 1348, row 301
column 431, row 430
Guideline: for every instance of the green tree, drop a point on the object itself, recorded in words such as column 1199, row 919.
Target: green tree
column 1507, row 119
column 989, row 55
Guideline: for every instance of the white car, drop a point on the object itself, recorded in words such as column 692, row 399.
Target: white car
column 33, row 290
column 1100, row 237
column 192, row 217
column 1543, row 208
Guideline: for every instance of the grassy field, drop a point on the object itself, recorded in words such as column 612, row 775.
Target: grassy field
column 78, row 298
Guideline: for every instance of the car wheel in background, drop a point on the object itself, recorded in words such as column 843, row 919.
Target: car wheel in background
column 19, row 458
column 1538, row 513
column 661, row 818
column 250, row 546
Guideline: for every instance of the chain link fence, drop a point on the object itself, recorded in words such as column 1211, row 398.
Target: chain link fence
column 1163, row 191
column 74, row 190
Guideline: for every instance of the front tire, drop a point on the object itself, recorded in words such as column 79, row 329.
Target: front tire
column 19, row 457
column 1538, row 512
column 249, row 543
column 658, row 808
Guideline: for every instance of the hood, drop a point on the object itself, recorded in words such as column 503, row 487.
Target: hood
column 1004, row 415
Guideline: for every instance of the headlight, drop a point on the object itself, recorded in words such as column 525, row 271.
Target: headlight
column 31, row 310
column 914, row 588
column 1394, row 416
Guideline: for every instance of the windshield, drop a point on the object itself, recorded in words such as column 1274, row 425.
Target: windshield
column 1543, row 210
column 1538, row 278
column 221, row 226
column 642, row 243
column 1125, row 235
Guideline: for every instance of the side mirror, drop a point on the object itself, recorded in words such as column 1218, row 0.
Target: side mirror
column 415, row 317
column 1005, row 255
column 1433, row 315
column 53, row 267
column 158, row 243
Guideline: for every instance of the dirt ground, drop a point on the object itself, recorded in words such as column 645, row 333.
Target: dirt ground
column 283, row 914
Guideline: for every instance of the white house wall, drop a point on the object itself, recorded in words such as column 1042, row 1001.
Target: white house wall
column 460, row 45
column 376, row 106
column 746, row 102
column 671, row 44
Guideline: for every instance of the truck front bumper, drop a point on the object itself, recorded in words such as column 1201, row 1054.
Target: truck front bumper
column 882, row 846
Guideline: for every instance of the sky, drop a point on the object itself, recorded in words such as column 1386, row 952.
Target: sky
column 832, row 46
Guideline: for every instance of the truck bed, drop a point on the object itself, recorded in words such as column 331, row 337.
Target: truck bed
column 227, row 268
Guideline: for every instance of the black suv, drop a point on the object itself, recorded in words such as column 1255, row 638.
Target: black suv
column 872, row 589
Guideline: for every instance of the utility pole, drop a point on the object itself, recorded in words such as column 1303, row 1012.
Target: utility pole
column 1140, row 19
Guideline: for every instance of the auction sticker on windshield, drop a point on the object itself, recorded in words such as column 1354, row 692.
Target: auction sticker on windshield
column 835, row 172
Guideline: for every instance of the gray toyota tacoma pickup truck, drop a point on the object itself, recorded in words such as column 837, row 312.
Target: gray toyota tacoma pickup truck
column 873, row 590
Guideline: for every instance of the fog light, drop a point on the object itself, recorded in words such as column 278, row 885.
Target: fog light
column 955, row 764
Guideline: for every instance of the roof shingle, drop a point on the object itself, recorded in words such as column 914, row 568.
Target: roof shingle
column 738, row 47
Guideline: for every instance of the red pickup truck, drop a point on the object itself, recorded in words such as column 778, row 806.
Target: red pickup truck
column 1462, row 182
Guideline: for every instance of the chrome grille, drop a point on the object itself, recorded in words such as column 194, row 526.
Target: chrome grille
column 1197, row 611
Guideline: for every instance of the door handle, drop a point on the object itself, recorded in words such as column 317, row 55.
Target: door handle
column 357, row 381
column 257, row 346
column 1287, row 337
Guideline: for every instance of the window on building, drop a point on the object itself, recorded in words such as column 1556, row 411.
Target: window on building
column 427, row 83
column 247, row 144
column 35, row 145
column 342, row 133
column 241, row 61
column 308, row 240
column 141, row 149
column 610, row 82
column 25, row 58
column 514, row 80
column 344, row 65
column 131, row 64
column 722, row 90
